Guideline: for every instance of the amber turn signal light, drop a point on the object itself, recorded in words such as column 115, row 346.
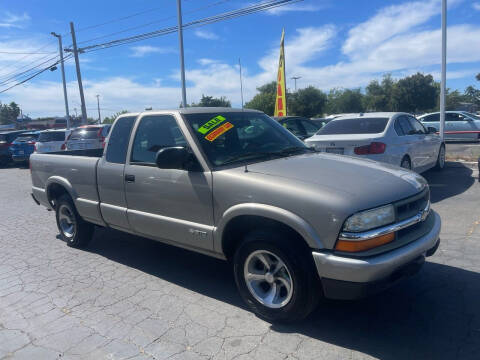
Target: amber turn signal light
column 357, row 246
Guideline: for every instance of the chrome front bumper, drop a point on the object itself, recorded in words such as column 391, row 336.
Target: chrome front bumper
column 376, row 267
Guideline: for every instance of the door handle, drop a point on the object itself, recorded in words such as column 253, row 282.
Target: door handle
column 129, row 178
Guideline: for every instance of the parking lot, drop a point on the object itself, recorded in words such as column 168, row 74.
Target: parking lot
column 132, row 298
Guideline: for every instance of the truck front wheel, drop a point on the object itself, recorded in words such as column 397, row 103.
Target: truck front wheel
column 275, row 278
column 75, row 231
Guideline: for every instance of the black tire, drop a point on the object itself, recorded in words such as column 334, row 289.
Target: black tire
column 406, row 163
column 81, row 231
column 298, row 261
column 440, row 165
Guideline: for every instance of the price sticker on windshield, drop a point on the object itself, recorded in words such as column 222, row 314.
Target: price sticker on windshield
column 222, row 129
column 209, row 125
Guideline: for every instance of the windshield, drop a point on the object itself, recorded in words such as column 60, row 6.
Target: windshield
column 85, row 133
column 354, row 126
column 235, row 137
column 52, row 136
column 473, row 116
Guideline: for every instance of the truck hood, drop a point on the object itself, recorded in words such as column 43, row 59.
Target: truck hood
column 360, row 178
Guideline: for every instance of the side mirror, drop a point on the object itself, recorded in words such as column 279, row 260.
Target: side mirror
column 432, row 130
column 175, row 157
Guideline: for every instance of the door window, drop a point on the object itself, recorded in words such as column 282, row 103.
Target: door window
column 405, row 126
column 310, row 128
column 154, row 133
column 454, row 117
column 431, row 118
column 417, row 126
column 118, row 142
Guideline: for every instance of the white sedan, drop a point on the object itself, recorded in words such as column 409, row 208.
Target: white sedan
column 393, row 138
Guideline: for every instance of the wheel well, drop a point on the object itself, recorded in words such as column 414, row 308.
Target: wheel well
column 54, row 191
column 238, row 227
column 408, row 157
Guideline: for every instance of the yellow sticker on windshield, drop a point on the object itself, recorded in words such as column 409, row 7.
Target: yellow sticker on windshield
column 222, row 129
column 209, row 125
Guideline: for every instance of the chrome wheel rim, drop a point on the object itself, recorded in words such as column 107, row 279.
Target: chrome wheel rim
column 268, row 279
column 441, row 157
column 66, row 221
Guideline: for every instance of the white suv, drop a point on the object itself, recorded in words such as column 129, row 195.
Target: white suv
column 52, row 140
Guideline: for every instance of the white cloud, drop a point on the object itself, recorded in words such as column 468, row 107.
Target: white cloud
column 294, row 8
column 9, row 20
column 143, row 50
column 206, row 34
column 476, row 6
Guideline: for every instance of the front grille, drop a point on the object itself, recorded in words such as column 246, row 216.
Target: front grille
column 411, row 206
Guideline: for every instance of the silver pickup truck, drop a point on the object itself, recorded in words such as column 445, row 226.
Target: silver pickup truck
column 236, row 185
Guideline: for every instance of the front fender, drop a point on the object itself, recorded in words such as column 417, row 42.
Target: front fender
column 272, row 212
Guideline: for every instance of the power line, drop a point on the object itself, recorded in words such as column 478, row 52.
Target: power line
column 8, row 80
column 263, row 6
column 24, row 53
column 154, row 22
column 35, row 75
column 23, row 57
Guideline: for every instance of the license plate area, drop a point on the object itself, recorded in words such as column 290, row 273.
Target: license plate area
column 335, row 150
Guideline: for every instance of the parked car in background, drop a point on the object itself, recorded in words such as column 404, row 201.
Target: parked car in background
column 52, row 141
column 6, row 140
column 23, row 146
column 393, row 138
column 455, row 121
column 320, row 122
column 299, row 126
column 88, row 137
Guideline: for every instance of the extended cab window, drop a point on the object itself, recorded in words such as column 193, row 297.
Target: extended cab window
column 154, row 133
column 118, row 142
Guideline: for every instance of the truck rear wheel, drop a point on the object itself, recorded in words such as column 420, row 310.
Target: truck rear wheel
column 276, row 279
column 75, row 231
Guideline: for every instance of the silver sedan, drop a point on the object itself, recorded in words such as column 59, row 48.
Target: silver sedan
column 393, row 138
column 459, row 125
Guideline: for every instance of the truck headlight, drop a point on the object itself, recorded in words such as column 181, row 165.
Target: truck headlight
column 370, row 219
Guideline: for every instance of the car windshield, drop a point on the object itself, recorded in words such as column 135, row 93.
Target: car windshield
column 236, row 137
column 85, row 133
column 52, row 136
column 473, row 116
column 354, row 126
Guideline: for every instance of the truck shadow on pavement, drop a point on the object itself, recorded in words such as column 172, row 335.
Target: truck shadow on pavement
column 433, row 315
column 455, row 179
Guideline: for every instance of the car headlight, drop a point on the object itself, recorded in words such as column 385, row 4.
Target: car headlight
column 370, row 219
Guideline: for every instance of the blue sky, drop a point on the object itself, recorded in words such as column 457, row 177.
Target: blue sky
column 328, row 43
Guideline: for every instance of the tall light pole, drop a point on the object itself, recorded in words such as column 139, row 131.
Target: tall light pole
column 98, row 107
column 444, row 69
column 60, row 49
column 180, row 43
column 296, row 78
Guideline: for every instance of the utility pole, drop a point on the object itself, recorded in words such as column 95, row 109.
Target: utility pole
column 79, row 75
column 296, row 78
column 182, row 63
column 241, row 83
column 60, row 48
column 98, row 106
column 444, row 69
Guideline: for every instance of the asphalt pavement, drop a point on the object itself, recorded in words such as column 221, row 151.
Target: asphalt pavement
column 466, row 151
column 127, row 297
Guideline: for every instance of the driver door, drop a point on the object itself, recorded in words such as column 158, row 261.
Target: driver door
column 172, row 205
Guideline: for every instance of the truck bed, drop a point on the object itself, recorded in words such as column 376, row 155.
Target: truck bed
column 86, row 152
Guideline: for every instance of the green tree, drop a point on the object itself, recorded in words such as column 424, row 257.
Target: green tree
column 265, row 99
column 453, row 99
column 210, row 101
column 472, row 95
column 415, row 93
column 307, row 102
column 378, row 95
column 345, row 101
column 9, row 113
column 111, row 119
column 478, row 77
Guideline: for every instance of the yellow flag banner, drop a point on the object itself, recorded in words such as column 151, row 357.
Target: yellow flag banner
column 281, row 100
